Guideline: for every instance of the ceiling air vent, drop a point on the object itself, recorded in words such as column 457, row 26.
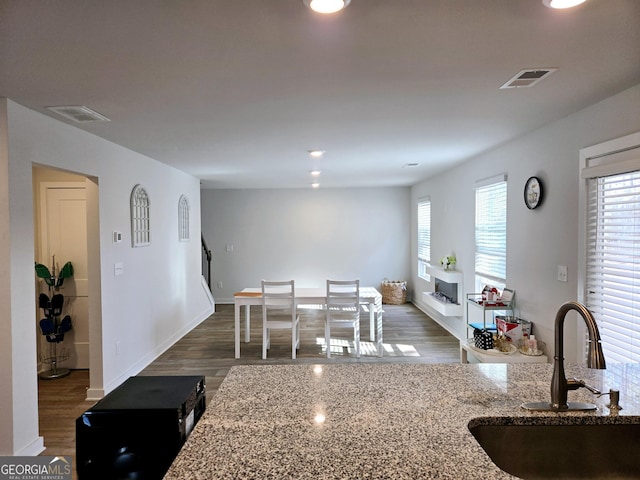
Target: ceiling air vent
column 79, row 114
column 528, row 78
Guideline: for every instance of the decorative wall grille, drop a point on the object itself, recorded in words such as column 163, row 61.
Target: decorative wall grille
column 183, row 218
column 140, row 217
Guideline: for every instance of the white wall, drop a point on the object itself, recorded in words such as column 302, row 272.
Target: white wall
column 306, row 235
column 538, row 240
column 6, row 352
column 157, row 300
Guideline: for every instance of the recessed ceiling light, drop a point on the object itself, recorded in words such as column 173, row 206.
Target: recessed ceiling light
column 316, row 153
column 410, row 165
column 315, row 185
column 562, row 3
column 326, row 6
column 315, row 173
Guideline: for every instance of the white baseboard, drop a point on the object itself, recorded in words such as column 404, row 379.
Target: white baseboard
column 148, row 359
column 95, row 394
column 36, row 447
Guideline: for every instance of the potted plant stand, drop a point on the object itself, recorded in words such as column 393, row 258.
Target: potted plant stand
column 53, row 326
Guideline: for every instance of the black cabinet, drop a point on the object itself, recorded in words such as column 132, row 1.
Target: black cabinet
column 136, row 431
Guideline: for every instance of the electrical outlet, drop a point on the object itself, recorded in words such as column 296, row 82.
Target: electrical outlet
column 219, row 284
column 562, row 273
column 118, row 347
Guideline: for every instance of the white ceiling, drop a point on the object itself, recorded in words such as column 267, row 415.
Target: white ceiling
column 236, row 92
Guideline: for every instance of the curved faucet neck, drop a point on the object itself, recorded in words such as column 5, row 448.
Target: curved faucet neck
column 595, row 358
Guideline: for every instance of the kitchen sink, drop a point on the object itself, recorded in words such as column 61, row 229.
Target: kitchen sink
column 564, row 447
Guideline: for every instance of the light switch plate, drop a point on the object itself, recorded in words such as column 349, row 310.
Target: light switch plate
column 118, row 269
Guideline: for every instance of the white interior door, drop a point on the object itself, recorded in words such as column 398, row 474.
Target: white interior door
column 63, row 232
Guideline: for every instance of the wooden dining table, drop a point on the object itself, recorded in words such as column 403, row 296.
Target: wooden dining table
column 369, row 298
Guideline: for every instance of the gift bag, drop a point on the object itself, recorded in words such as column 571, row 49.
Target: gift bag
column 483, row 339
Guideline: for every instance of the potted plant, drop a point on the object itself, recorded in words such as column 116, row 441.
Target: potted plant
column 448, row 262
column 54, row 325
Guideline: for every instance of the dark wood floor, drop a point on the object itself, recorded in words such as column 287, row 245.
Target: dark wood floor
column 409, row 336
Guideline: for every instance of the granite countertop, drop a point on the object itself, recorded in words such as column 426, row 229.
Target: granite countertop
column 400, row 421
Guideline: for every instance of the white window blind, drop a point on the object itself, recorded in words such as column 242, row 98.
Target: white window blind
column 424, row 236
column 491, row 233
column 613, row 263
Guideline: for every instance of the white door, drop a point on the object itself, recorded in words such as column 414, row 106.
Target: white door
column 63, row 230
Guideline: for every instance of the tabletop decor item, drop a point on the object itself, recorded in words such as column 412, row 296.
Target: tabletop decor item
column 502, row 343
column 483, row 339
column 448, row 262
column 526, row 348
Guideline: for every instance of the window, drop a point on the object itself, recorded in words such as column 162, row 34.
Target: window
column 140, row 217
column 613, row 263
column 610, row 244
column 424, row 237
column 491, row 233
column 183, row 218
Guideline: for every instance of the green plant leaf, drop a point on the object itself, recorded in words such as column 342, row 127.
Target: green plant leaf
column 42, row 271
column 66, row 271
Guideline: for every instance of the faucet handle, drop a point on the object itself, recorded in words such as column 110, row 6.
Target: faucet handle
column 593, row 390
column 574, row 384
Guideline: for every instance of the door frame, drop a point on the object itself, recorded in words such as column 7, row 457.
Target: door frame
column 96, row 389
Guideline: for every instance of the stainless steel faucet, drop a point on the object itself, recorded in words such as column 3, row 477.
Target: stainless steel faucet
column 595, row 359
column 560, row 386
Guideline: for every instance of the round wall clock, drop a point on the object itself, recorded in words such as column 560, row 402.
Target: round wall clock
column 533, row 193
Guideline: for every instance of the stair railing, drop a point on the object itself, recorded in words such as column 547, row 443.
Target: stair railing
column 206, row 256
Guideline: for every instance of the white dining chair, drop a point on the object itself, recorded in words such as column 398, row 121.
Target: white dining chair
column 279, row 312
column 343, row 310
